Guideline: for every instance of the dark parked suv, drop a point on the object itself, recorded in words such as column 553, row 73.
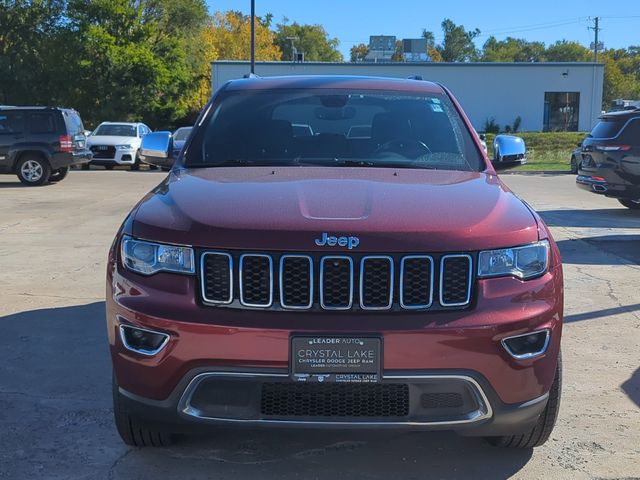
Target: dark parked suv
column 610, row 163
column 287, row 273
column 39, row 144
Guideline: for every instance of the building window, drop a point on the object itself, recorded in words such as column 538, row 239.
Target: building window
column 561, row 111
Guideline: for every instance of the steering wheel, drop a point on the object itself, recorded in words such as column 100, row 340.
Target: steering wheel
column 409, row 148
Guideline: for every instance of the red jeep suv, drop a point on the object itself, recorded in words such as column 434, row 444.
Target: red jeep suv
column 334, row 252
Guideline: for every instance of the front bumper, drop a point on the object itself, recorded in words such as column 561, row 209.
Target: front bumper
column 467, row 343
column 121, row 157
column 228, row 397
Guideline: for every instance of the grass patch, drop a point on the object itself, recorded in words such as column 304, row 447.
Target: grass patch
column 546, row 151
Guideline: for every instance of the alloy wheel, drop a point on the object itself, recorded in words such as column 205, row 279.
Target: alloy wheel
column 31, row 170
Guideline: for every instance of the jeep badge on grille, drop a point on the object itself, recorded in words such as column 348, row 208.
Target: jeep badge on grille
column 332, row 241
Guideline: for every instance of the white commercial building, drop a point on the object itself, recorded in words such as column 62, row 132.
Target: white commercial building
column 546, row 96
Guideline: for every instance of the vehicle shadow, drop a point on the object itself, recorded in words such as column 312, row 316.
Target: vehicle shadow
column 598, row 218
column 16, row 184
column 605, row 312
column 56, row 387
column 287, row 454
column 632, row 387
column 609, row 250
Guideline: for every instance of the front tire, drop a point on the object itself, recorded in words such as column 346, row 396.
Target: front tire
column 539, row 434
column 632, row 204
column 574, row 164
column 134, row 432
column 33, row 170
column 136, row 164
column 59, row 174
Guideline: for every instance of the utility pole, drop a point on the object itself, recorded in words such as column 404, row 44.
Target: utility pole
column 253, row 36
column 596, row 45
column 293, row 48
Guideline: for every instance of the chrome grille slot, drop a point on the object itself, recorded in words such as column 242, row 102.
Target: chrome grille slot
column 256, row 280
column 376, row 283
column 336, row 283
column 296, row 281
column 455, row 280
column 217, row 277
column 416, row 282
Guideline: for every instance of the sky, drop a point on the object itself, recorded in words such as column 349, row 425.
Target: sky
column 352, row 21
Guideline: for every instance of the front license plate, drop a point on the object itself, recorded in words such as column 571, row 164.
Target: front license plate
column 336, row 359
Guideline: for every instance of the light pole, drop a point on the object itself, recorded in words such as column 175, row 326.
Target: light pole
column 293, row 48
column 253, row 36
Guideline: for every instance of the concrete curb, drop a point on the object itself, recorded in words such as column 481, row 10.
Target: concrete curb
column 538, row 172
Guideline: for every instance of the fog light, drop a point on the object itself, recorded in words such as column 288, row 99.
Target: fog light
column 140, row 340
column 527, row 345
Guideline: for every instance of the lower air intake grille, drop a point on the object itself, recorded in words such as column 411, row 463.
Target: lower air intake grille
column 335, row 400
column 441, row 400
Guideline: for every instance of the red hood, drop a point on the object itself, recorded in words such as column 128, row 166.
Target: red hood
column 287, row 208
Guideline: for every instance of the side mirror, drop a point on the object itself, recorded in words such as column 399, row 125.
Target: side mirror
column 508, row 152
column 156, row 149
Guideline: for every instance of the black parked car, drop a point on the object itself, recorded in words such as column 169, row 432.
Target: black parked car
column 39, row 144
column 611, row 158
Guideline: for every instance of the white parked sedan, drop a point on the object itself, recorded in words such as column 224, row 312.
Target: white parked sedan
column 116, row 143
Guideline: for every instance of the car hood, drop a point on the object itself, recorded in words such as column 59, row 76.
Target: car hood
column 287, row 208
column 111, row 140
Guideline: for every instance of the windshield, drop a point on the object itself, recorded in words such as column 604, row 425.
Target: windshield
column 182, row 134
column 334, row 128
column 116, row 131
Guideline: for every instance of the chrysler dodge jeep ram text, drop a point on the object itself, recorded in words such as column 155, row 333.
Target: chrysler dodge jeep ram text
column 290, row 272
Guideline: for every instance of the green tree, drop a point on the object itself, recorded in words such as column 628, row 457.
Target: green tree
column 621, row 76
column 312, row 40
column 28, row 31
column 359, row 52
column 565, row 51
column 457, row 45
column 512, row 50
column 136, row 59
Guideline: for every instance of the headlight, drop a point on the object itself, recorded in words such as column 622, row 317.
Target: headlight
column 524, row 262
column 148, row 257
column 124, row 147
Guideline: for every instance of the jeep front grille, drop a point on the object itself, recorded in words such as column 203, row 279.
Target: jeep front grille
column 336, row 282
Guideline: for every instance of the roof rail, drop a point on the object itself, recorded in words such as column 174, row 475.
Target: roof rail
column 415, row 77
column 250, row 75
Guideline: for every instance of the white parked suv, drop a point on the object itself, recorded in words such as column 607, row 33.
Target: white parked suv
column 116, row 143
